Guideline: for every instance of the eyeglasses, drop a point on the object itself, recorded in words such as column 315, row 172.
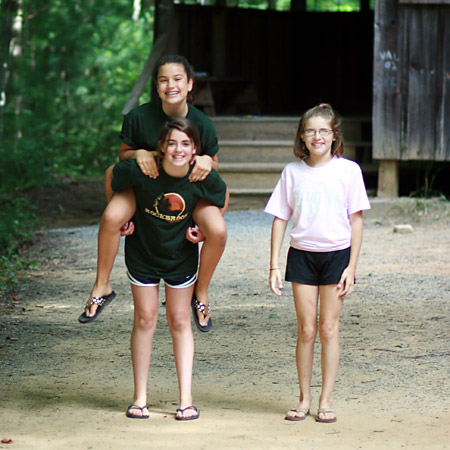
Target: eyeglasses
column 323, row 132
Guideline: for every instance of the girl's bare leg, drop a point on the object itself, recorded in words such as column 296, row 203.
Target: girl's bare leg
column 330, row 311
column 178, row 303
column 146, row 303
column 306, row 303
column 119, row 210
column 210, row 220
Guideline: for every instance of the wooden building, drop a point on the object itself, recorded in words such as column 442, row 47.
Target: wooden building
column 390, row 65
column 411, row 110
column 288, row 60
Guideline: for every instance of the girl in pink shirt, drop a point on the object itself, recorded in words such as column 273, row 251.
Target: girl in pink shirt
column 323, row 195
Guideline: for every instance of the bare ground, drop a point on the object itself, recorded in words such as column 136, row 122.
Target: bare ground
column 67, row 385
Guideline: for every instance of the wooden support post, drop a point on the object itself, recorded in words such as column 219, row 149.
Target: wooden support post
column 388, row 175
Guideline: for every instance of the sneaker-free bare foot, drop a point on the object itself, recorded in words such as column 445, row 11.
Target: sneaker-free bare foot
column 326, row 415
column 95, row 304
column 202, row 314
column 189, row 413
column 138, row 412
column 296, row 415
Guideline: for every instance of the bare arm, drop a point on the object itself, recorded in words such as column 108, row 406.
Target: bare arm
column 278, row 231
column 145, row 159
column 203, row 165
column 348, row 276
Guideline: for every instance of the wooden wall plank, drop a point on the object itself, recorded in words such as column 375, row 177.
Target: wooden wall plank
column 443, row 88
column 387, row 105
column 425, row 2
column 411, row 107
column 294, row 59
column 420, row 41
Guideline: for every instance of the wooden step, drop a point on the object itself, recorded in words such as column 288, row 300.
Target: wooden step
column 254, row 150
column 272, row 128
column 280, row 151
column 256, row 128
column 260, row 167
column 251, row 180
column 275, row 167
column 254, row 178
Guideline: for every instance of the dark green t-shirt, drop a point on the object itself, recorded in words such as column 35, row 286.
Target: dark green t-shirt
column 159, row 248
column 142, row 125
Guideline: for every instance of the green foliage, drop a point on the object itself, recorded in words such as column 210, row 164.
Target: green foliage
column 17, row 222
column 333, row 5
column 285, row 5
column 71, row 74
column 78, row 64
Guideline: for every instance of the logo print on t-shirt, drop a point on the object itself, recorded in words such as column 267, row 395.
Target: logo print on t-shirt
column 169, row 207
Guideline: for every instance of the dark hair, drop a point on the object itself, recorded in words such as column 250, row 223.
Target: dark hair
column 172, row 59
column 181, row 124
column 328, row 113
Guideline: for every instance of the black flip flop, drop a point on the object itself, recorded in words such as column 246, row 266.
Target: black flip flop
column 101, row 302
column 326, row 411
column 197, row 306
column 137, row 416
column 193, row 408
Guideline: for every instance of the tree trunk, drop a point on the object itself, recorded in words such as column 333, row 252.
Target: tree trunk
column 8, row 9
column 161, row 33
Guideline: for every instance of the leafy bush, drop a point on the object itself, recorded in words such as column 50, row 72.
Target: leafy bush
column 17, row 222
column 74, row 66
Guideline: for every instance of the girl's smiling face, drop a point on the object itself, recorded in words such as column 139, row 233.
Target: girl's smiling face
column 178, row 150
column 318, row 137
column 173, row 84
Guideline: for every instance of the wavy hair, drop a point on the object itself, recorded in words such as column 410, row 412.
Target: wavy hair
column 328, row 113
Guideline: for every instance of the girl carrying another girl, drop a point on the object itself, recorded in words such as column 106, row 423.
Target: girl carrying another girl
column 158, row 249
column 173, row 79
column 323, row 195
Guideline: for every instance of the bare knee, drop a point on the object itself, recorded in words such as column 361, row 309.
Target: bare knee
column 215, row 233
column 307, row 334
column 211, row 223
column 328, row 331
column 112, row 217
column 120, row 209
column 179, row 323
column 145, row 322
column 218, row 235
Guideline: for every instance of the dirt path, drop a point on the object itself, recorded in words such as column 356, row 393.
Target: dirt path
column 65, row 385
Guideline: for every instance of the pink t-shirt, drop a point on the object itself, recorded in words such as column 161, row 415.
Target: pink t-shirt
column 319, row 201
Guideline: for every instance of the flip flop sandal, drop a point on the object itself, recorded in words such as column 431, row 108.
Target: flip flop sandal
column 326, row 411
column 295, row 418
column 101, row 302
column 137, row 416
column 189, row 408
column 199, row 306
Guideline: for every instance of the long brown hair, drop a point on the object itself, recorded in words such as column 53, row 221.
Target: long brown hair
column 328, row 113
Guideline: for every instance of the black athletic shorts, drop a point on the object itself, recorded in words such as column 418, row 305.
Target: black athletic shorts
column 176, row 283
column 316, row 268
